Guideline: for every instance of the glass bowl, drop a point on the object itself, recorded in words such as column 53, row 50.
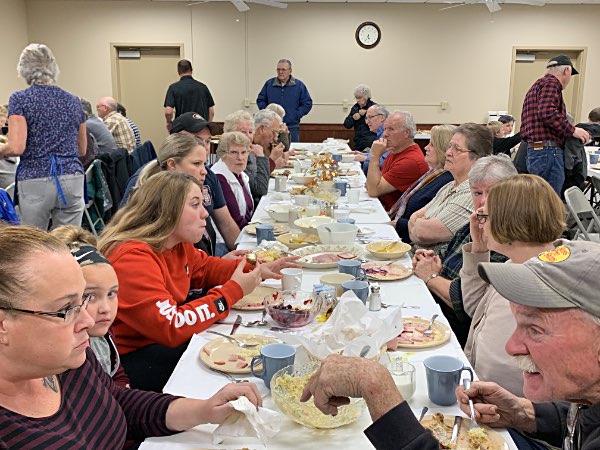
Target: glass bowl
column 286, row 387
column 327, row 194
column 292, row 309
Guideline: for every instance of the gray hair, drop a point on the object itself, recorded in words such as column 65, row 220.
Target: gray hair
column 277, row 109
column 380, row 109
column 491, row 169
column 557, row 70
column 265, row 118
column 37, row 65
column 232, row 138
column 409, row 122
column 362, row 91
column 232, row 120
column 287, row 61
column 86, row 106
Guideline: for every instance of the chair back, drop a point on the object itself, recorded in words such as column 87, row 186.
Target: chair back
column 580, row 208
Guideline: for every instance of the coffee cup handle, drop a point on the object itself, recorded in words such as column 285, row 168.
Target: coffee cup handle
column 254, row 359
column 468, row 369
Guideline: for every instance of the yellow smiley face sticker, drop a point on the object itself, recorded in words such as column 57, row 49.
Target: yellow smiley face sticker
column 559, row 254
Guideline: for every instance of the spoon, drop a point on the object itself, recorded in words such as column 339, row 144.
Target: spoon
column 473, row 424
column 263, row 322
column 364, row 351
column 423, row 412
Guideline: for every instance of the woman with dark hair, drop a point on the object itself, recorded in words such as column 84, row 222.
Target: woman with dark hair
column 47, row 129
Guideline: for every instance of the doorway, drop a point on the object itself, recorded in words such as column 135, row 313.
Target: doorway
column 141, row 76
column 527, row 69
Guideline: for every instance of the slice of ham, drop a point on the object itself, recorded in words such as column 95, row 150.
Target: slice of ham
column 241, row 365
column 346, row 255
column 325, row 258
column 233, row 357
column 220, row 363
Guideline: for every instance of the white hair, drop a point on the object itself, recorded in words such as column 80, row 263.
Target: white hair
column 362, row 91
column 380, row 109
column 37, row 65
column 277, row 109
column 285, row 61
column 409, row 122
column 558, row 70
column 232, row 120
column 265, row 118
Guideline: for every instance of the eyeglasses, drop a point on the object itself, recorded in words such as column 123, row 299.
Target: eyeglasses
column 282, row 70
column 67, row 314
column 238, row 154
column 482, row 218
column 373, row 116
column 457, row 149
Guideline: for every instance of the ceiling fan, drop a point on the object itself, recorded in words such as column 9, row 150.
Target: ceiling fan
column 494, row 5
column 241, row 5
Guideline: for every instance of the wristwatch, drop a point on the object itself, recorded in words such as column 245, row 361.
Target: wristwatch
column 431, row 277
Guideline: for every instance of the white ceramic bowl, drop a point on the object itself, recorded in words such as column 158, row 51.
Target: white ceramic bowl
column 385, row 249
column 340, row 234
column 309, row 224
column 279, row 213
column 302, row 178
column 347, row 158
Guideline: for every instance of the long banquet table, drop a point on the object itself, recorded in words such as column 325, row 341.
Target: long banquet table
column 192, row 379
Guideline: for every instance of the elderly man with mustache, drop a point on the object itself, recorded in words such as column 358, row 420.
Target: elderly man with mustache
column 556, row 343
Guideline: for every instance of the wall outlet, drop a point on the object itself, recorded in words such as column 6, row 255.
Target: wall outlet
column 444, row 105
column 345, row 104
column 247, row 102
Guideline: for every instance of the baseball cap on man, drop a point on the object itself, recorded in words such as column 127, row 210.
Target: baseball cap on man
column 190, row 121
column 565, row 277
column 561, row 60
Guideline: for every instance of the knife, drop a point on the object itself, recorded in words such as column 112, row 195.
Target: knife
column 236, row 324
column 455, row 429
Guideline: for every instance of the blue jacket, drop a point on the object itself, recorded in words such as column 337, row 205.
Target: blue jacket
column 293, row 96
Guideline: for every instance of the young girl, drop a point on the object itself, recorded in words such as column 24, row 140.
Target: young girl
column 102, row 284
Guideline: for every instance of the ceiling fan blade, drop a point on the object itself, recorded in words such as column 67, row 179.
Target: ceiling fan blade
column 240, row 5
column 527, row 2
column 274, row 3
column 454, row 6
column 492, row 6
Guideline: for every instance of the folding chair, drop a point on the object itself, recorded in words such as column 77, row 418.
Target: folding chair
column 580, row 208
column 89, row 179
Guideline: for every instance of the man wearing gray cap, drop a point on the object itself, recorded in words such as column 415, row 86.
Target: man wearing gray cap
column 544, row 124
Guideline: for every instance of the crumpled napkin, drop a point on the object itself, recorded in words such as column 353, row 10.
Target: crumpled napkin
column 351, row 327
column 246, row 421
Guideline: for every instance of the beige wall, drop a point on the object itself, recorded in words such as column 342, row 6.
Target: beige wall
column 14, row 39
column 425, row 56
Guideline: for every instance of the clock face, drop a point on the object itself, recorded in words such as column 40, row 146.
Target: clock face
column 368, row 35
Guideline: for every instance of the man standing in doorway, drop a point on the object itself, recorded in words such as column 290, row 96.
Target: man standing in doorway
column 544, row 124
column 289, row 92
column 188, row 95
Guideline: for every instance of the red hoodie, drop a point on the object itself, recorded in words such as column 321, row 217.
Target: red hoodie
column 153, row 288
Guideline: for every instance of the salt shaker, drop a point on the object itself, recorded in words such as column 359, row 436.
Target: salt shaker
column 374, row 298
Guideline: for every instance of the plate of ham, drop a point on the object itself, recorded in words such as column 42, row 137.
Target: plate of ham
column 226, row 356
column 326, row 256
column 382, row 271
column 412, row 336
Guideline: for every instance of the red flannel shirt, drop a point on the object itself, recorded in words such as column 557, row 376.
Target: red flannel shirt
column 544, row 115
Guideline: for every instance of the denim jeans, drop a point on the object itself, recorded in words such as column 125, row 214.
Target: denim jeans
column 549, row 164
column 294, row 134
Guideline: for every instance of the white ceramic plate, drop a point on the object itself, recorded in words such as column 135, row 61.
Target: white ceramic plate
column 308, row 253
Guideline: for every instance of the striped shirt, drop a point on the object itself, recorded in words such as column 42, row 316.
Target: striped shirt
column 453, row 206
column 121, row 131
column 95, row 413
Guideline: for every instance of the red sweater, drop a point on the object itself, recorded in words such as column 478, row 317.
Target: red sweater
column 153, row 289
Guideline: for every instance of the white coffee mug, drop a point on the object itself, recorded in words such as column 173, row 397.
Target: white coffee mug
column 301, row 200
column 291, row 279
column 353, row 195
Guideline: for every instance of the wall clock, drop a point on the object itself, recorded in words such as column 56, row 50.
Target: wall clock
column 368, row 35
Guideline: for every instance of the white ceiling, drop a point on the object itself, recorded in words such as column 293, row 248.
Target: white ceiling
column 580, row 2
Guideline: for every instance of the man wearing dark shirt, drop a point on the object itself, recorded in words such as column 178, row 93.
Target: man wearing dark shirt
column 544, row 124
column 188, row 95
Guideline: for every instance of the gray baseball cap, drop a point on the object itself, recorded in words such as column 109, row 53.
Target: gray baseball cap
column 566, row 277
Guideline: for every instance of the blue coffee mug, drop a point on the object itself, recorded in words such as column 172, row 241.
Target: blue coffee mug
column 264, row 232
column 350, row 266
column 273, row 357
column 336, row 157
column 443, row 377
column 360, row 289
column 342, row 186
column 594, row 158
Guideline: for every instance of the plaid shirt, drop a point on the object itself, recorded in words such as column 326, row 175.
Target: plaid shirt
column 121, row 131
column 452, row 261
column 544, row 115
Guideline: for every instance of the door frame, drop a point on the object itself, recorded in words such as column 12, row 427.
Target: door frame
column 114, row 68
column 580, row 64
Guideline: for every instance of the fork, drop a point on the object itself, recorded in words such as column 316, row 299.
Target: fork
column 429, row 331
column 473, row 424
column 234, row 340
column 228, row 376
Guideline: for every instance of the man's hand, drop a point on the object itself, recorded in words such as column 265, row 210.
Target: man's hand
column 257, row 150
column 356, row 116
column 359, row 156
column 362, row 112
column 378, row 148
column 582, row 135
column 497, row 407
column 277, row 152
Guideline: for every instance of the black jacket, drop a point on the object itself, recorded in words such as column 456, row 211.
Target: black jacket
column 363, row 137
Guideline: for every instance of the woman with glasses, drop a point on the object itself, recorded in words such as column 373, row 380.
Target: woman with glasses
column 363, row 136
column 233, row 152
column 425, row 188
column 539, row 222
column 53, row 392
column 433, row 225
